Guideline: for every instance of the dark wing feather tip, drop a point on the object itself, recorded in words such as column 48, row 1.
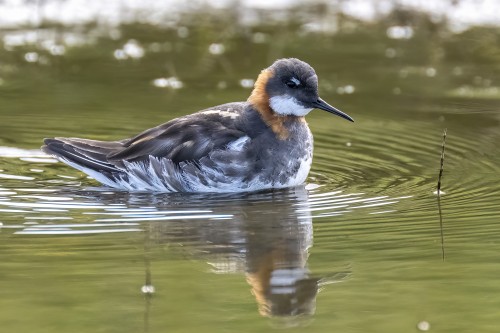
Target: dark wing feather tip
column 73, row 151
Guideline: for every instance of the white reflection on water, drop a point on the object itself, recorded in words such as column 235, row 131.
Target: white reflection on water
column 94, row 208
column 25, row 153
column 147, row 218
column 15, row 13
column 7, row 176
column 45, row 206
column 57, row 230
column 170, row 82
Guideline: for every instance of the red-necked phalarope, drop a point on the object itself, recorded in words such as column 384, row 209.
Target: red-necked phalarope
column 243, row 146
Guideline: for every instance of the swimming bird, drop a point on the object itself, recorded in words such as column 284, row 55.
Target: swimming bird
column 261, row 143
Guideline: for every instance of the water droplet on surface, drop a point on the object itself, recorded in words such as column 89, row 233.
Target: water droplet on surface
column 160, row 83
column 423, row 326
column 216, row 48
column 133, row 49
column 246, row 83
column 119, row 54
column 31, row 57
column 349, row 89
column 170, row 82
column 430, row 72
column 57, row 50
column 148, row 289
column 400, row 32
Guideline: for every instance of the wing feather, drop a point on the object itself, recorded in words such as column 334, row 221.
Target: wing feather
column 184, row 140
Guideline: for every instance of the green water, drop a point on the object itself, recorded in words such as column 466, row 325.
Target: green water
column 362, row 243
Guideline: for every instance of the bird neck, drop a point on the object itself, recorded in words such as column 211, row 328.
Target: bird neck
column 259, row 99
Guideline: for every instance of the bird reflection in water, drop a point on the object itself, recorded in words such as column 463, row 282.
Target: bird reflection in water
column 267, row 238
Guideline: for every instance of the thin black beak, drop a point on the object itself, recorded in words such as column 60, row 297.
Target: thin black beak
column 321, row 104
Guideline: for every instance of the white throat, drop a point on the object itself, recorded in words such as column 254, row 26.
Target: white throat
column 288, row 106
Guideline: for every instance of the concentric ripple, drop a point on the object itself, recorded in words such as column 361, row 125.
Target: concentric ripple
column 376, row 168
column 67, row 205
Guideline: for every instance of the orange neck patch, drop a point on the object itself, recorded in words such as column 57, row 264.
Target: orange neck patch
column 260, row 101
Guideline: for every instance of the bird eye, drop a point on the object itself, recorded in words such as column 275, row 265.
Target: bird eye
column 293, row 83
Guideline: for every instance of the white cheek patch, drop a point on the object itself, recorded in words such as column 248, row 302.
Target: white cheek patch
column 287, row 106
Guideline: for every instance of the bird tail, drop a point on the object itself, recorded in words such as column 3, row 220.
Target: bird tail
column 88, row 156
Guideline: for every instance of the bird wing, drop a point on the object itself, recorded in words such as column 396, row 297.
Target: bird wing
column 208, row 140
column 188, row 138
